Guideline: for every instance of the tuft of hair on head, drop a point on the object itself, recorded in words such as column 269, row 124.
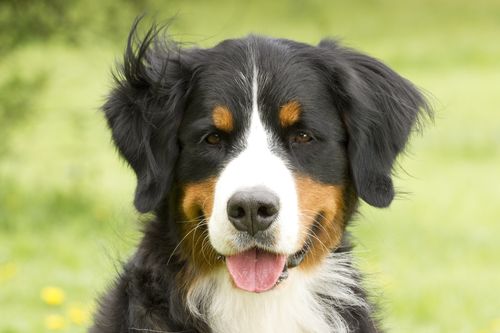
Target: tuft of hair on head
column 143, row 110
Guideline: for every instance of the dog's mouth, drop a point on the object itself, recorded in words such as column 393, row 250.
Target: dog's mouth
column 257, row 270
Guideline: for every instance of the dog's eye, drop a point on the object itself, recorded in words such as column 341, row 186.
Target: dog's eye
column 213, row 139
column 301, row 137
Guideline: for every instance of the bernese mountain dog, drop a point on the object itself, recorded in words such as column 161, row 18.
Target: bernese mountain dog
column 250, row 158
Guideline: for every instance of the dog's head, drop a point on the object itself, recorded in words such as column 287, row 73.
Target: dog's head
column 260, row 147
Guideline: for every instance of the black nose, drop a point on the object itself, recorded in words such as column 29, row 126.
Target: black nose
column 253, row 210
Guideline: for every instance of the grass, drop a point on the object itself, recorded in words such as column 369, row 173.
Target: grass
column 66, row 217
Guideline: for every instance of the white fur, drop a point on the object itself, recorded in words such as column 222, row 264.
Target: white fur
column 292, row 307
column 256, row 165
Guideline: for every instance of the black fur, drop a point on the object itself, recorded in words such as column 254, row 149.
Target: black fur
column 144, row 112
column 379, row 109
column 359, row 111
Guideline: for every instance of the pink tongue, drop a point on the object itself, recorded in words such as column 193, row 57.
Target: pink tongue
column 255, row 270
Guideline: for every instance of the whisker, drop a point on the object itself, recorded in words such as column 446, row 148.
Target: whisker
column 196, row 219
column 315, row 214
column 204, row 243
column 152, row 330
column 194, row 246
column 198, row 240
column 313, row 235
column 183, row 238
column 203, row 203
column 320, row 225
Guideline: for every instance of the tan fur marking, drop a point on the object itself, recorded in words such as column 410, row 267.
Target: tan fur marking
column 223, row 118
column 289, row 113
column 196, row 204
column 326, row 202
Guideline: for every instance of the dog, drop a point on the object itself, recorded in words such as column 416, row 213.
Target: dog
column 251, row 158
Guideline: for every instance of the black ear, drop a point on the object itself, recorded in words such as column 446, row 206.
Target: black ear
column 144, row 111
column 379, row 109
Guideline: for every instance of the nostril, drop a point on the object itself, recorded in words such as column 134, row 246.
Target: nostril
column 267, row 211
column 237, row 212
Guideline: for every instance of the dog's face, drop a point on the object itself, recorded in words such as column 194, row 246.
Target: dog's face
column 260, row 147
column 263, row 155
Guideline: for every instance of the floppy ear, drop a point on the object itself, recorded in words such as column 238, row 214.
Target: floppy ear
column 379, row 109
column 144, row 111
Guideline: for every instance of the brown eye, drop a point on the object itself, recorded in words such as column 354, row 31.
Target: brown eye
column 213, row 139
column 301, row 137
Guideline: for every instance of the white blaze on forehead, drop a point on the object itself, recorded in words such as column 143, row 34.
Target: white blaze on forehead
column 256, row 165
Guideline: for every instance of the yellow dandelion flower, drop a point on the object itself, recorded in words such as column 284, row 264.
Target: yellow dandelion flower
column 52, row 295
column 78, row 315
column 55, row 322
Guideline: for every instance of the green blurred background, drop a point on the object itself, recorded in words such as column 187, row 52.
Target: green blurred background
column 66, row 217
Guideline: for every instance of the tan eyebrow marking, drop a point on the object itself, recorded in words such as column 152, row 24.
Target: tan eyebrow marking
column 290, row 113
column 223, row 118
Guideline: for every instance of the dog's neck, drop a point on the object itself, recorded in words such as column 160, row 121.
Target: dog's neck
column 305, row 302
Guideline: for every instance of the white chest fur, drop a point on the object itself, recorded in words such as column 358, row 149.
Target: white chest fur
column 292, row 307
